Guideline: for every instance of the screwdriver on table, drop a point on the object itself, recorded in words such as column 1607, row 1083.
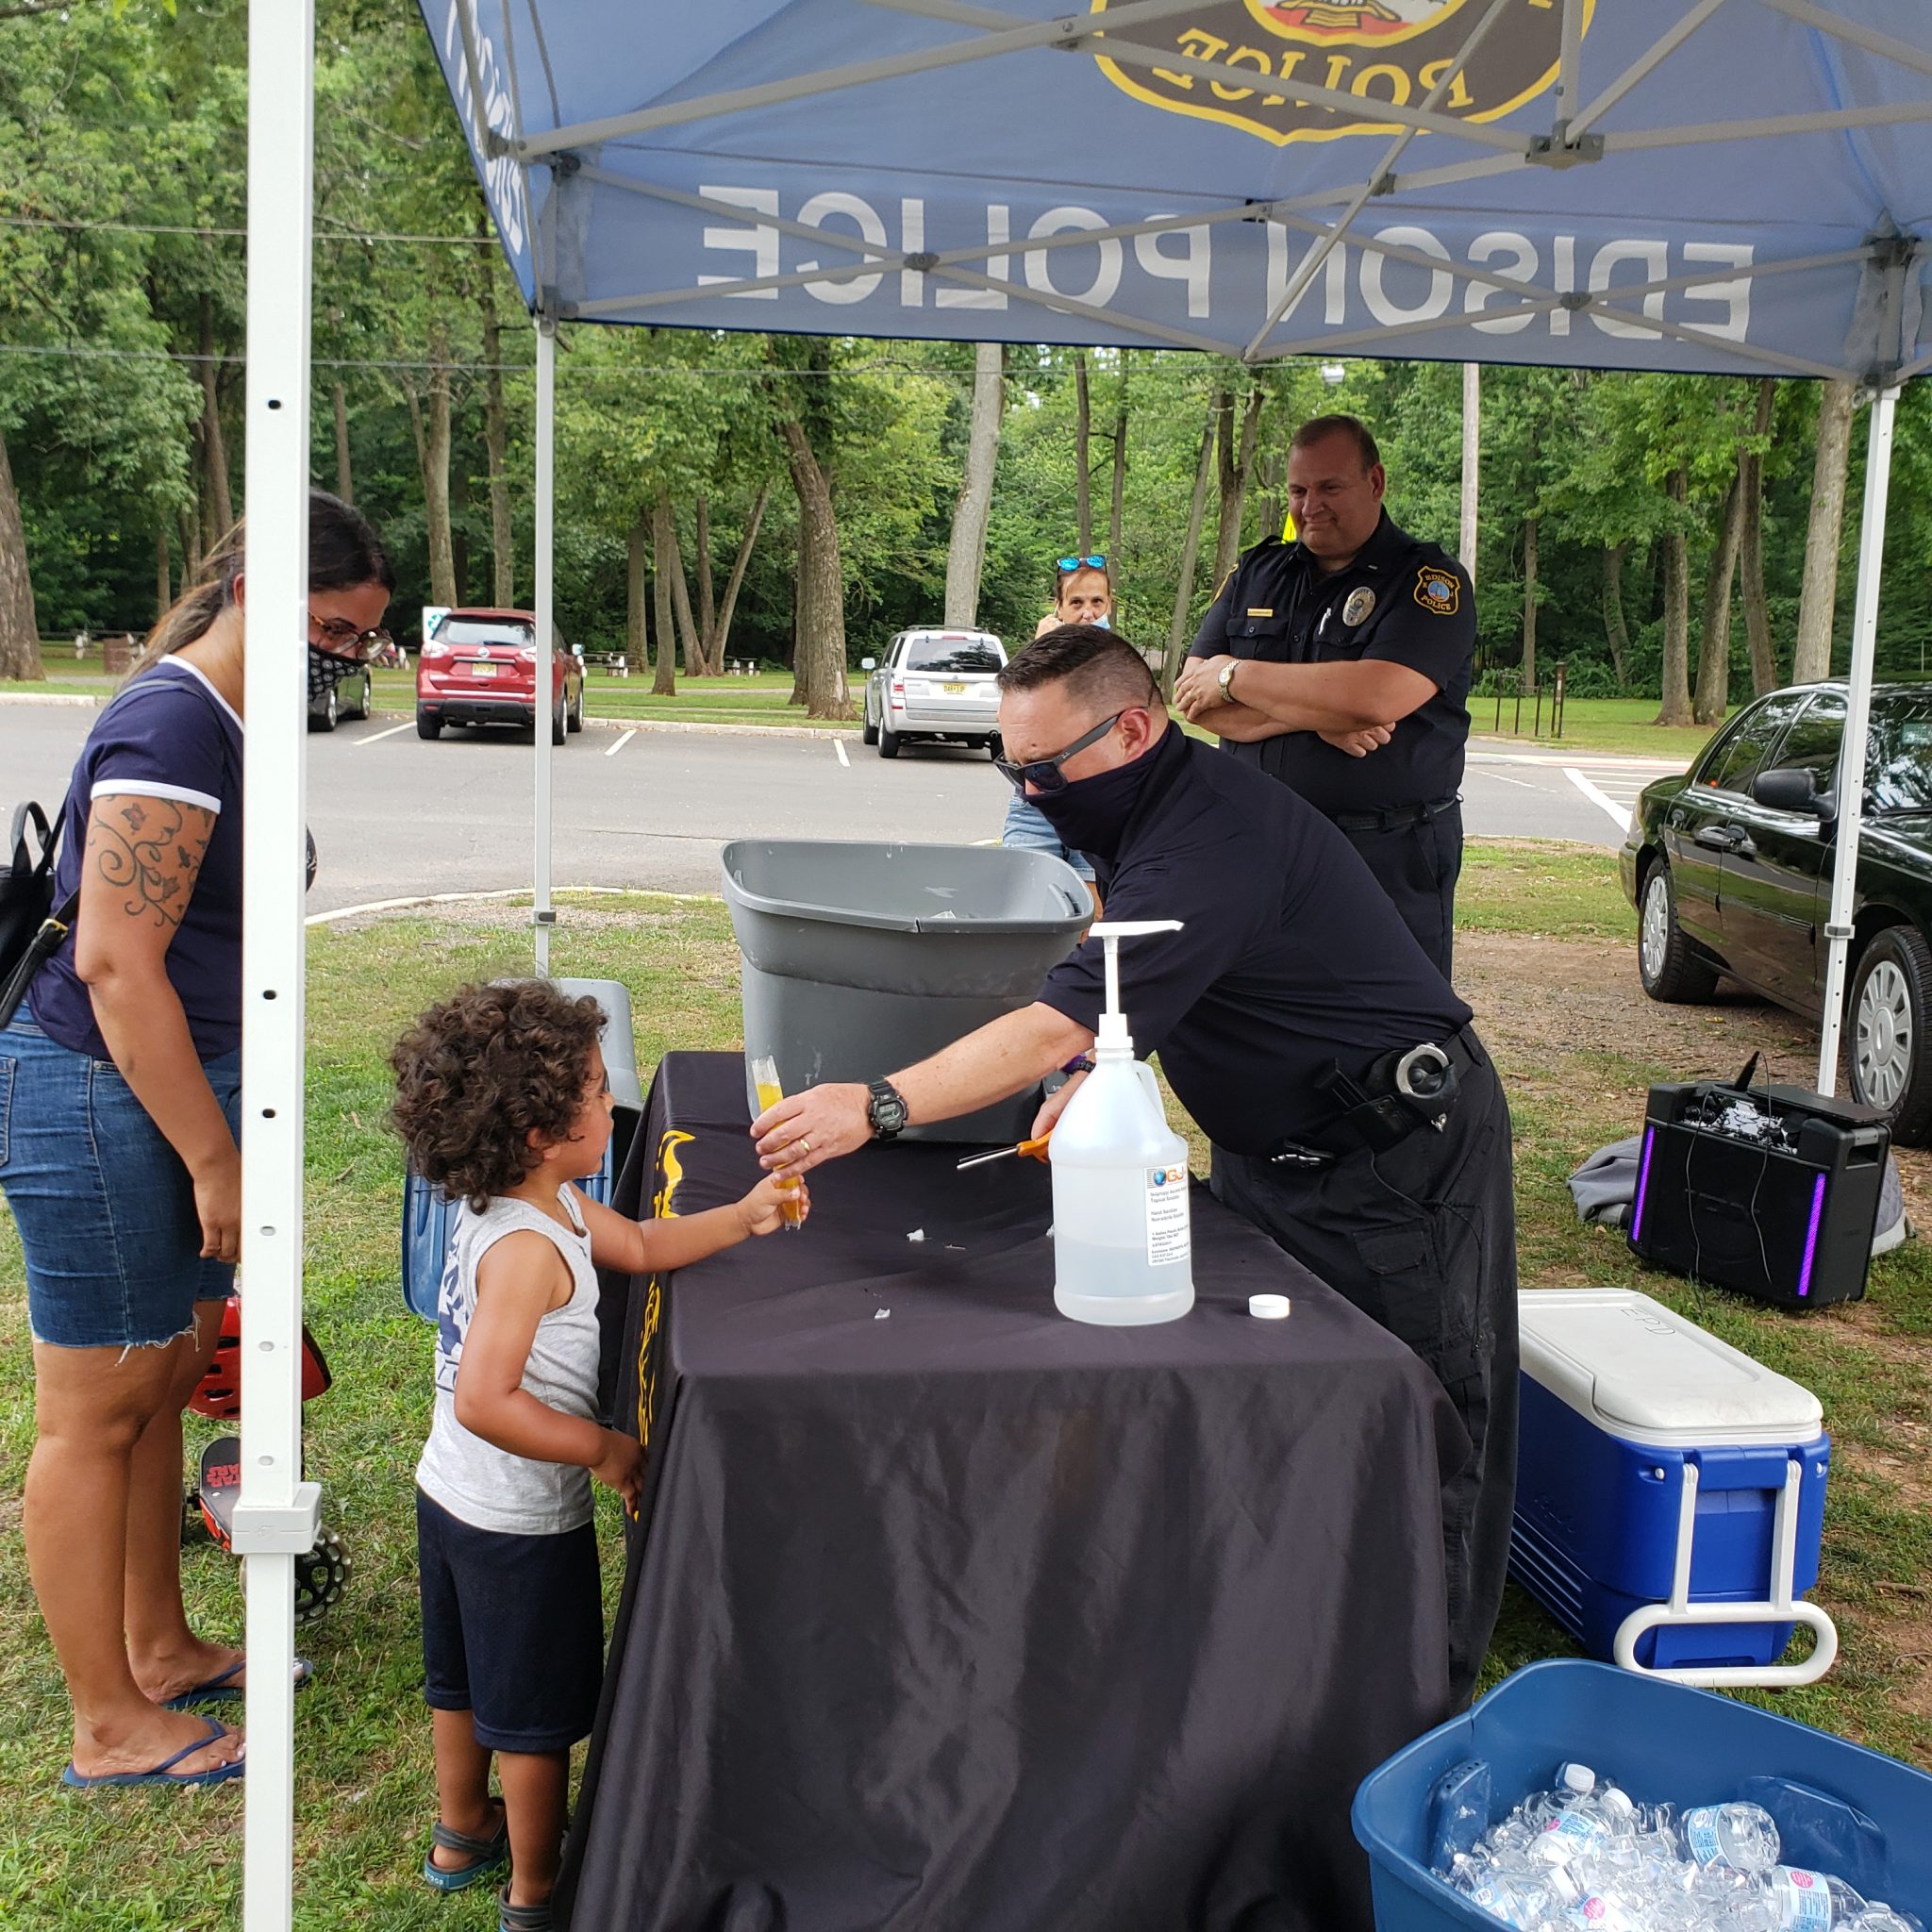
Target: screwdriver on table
column 1033, row 1150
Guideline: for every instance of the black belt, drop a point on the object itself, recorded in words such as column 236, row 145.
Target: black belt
column 1389, row 1116
column 1395, row 815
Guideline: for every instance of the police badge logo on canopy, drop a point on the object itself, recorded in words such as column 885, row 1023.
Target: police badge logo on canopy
column 1394, row 51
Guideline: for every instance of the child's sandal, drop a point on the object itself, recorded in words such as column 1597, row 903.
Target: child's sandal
column 521, row 1918
column 486, row 1856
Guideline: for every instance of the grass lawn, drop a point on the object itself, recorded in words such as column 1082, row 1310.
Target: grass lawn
column 113, row 1862
column 1591, row 725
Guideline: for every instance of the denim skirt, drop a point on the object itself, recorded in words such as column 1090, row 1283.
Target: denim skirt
column 104, row 1204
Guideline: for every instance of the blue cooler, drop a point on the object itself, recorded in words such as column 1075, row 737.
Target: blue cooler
column 1839, row 1806
column 1670, row 1491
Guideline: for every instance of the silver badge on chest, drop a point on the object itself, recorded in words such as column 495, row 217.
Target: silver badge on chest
column 1360, row 602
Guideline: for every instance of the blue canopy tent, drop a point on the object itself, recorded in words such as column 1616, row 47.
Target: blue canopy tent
column 1535, row 181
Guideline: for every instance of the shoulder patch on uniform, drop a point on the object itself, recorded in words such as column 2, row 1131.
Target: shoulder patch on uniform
column 1360, row 601
column 1438, row 589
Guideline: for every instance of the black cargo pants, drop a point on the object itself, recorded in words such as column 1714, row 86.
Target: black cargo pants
column 1421, row 1238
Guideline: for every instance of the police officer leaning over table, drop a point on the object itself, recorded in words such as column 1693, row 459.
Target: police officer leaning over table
column 1287, row 1013
column 1340, row 664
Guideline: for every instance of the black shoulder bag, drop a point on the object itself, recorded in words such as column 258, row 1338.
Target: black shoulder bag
column 32, row 928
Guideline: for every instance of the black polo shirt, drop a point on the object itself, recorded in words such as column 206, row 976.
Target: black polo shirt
column 1400, row 599
column 1290, row 957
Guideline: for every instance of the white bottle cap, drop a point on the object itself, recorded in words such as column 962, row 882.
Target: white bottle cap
column 1269, row 1307
column 1577, row 1778
column 1617, row 1803
column 1564, row 1886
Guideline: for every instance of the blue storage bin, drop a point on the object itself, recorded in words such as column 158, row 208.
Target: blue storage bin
column 1839, row 1806
column 1663, row 1474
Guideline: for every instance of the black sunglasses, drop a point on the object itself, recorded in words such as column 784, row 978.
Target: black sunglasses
column 1044, row 774
column 344, row 640
column 1068, row 565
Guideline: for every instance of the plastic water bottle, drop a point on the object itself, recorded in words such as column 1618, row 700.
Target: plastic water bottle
column 1809, row 1900
column 1741, row 1836
column 1122, row 1248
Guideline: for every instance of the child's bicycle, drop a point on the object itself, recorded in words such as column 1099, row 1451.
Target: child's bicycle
column 323, row 1574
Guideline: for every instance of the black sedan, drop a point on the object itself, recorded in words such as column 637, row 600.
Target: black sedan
column 1729, row 867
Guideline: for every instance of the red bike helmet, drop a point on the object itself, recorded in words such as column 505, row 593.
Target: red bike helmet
column 219, row 1392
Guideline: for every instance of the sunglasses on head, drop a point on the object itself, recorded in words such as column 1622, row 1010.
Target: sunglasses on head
column 1044, row 774
column 1068, row 565
column 346, row 640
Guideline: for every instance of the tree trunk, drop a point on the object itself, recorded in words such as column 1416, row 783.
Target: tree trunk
column 1677, row 668
column 215, row 451
column 664, row 562
column 165, row 584
column 1235, row 467
column 503, row 551
column 1751, row 552
column 442, row 569
column 458, row 532
column 1713, row 698
column 707, row 604
column 1083, row 423
column 1119, row 470
column 1811, row 656
column 966, row 550
column 1615, row 629
column 1273, row 485
column 1177, row 639
column 20, row 629
column 345, row 481
column 819, row 666
column 721, row 632
column 688, row 636
column 189, row 520
column 1529, row 603
column 637, row 632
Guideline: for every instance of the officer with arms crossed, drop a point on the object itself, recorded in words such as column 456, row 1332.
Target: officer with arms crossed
column 1340, row 664
column 1291, row 1013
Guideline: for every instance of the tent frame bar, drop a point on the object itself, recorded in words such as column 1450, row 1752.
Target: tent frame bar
column 1869, row 39
column 1660, row 50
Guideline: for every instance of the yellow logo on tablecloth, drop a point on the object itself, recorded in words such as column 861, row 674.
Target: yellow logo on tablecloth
column 1394, row 51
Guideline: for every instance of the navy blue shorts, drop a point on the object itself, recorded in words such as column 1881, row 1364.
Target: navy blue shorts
column 512, row 1630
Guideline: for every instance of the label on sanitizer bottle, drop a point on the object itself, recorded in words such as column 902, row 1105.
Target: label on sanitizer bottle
column 1167, row 1215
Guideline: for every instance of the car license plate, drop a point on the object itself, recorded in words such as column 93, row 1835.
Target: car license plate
column 482, row 670
column 954, row 691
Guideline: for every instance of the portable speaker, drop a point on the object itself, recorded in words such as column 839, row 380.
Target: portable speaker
column 1770, row 1191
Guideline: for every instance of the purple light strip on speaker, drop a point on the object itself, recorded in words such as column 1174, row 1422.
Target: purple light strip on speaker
column 1812, row 1236
column 1642, row 1182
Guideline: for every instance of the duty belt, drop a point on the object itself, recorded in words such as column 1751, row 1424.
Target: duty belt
column 1395, row 815
column 1405, row 1089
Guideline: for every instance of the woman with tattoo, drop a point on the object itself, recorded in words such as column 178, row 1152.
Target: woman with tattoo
column 120, row 1084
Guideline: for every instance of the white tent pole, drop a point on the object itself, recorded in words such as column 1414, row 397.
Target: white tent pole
column 1851, row 765
column 276, row 1513
column 543, row 912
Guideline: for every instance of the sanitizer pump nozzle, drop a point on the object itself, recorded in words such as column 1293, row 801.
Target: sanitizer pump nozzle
column 1119, row 1176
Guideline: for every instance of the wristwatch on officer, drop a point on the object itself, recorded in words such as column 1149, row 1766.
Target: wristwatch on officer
column 1225, row 680
column 885, row 1110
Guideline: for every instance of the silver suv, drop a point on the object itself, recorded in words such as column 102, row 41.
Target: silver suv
column 936, row 685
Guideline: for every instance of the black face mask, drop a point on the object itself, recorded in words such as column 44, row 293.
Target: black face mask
column 1090, row 814
column 327, row 669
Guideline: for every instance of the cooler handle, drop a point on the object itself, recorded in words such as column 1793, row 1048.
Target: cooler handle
column 1781, row 1607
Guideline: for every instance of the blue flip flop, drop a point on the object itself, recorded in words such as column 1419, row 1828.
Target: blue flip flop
column 222, row 1689
column 164, row 1772
column 486, row 1857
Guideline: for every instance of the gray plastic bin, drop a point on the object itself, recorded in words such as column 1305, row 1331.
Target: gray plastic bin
column 861, row 959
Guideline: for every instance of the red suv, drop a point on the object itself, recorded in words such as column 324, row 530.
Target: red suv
column 479, row 667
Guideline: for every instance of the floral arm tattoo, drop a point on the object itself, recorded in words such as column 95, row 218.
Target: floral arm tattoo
column 149, row 852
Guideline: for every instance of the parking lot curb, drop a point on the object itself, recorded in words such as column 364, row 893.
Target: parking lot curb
column 594, row 722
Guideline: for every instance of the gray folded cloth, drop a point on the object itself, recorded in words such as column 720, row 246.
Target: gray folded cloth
column 1606, row 1184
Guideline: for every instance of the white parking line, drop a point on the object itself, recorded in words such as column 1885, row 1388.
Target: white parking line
column 375, row 736
column 622, row 742
column 1619, row 814
column 1522, row 784
column 839, row 747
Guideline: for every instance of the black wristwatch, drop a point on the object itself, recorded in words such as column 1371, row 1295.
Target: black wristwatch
column 885, row 1108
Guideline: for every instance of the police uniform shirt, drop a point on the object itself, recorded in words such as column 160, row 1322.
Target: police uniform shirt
column 1291, row 958
column 1399, row 600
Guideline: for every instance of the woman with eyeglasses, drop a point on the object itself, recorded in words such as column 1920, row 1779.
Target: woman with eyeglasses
column 120, row 1088
column 1082, row 593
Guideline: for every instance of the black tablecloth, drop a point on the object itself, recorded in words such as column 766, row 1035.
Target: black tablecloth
column 946, row 1614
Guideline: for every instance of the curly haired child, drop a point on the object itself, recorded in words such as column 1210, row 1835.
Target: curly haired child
column 502, row 1100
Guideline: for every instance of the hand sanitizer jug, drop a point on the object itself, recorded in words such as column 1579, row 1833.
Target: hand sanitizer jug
column 1121, row 1246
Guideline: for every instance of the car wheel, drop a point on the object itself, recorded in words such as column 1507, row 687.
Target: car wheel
column 889, row 740
column 995, row 747
column 326, row 719
column 364, row 696
column 575, row 720
column 869, row 732
column 558, row 724
column 1886, row 1036
column 427, row 723
column 1670, row 969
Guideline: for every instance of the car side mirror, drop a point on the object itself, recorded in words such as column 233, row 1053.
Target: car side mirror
column 1793, row 788
column 868, row 663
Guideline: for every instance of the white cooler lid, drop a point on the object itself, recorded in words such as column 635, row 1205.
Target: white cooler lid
column 1640, row 1370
